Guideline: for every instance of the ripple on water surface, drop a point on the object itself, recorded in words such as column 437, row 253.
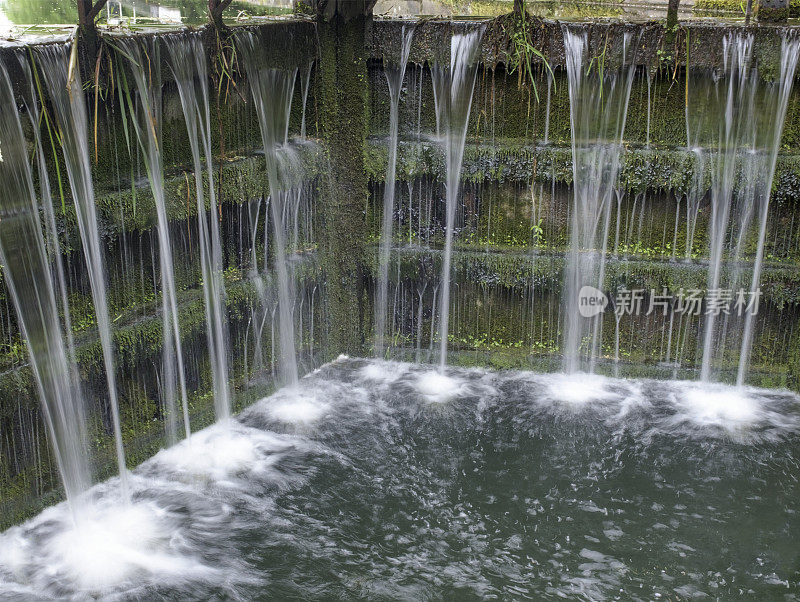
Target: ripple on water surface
column 385, row 480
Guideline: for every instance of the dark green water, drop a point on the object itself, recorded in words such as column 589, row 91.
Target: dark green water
column 383, row 481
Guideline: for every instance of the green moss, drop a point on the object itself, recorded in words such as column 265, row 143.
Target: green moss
column 343, row 92
column 655, row 169
column 505, row 309
column 521, row 271
column 773, row 14
column 240, row 180
column 711, row 7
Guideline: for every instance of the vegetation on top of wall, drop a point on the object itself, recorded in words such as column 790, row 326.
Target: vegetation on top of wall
column 431, row 40
column 523, row 55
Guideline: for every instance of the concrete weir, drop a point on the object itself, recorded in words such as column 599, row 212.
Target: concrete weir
column 298, row 214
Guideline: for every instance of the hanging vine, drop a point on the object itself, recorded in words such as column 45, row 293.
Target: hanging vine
column 523, row 55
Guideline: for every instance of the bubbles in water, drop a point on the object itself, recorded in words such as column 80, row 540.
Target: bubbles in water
column 221, row 451
column 297, row 409
column 437, row 387
column 579, row 388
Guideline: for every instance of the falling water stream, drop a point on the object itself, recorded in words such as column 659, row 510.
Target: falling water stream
column 62, row 76
column 272, row 91
column 734, row 123
column 35, row 291
column 188, row 64
column 779, row 99
column 146, row 120
column 598, row 100
column 394, row 79
column 453, row 90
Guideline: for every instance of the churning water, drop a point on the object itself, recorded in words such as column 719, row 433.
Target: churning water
column 364, row 481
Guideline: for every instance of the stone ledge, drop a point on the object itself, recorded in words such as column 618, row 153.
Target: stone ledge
column 516, row 161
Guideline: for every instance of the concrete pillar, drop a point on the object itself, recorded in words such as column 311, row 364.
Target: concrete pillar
column 342, row 97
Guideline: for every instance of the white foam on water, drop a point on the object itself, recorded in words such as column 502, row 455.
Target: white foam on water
column 222, row 451
column 437, row 387
column 297, row 409
column 14, row 551
column 580, row 389
column 724, row 405
column 114, row 545
column 383, row 372
column 711, row 405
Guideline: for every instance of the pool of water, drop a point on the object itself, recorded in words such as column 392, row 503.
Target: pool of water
column 386, row 480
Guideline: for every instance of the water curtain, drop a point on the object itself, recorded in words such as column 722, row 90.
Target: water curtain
column 452, row 91
column 599, row 92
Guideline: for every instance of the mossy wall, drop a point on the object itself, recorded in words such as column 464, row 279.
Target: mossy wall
column 513, row 218
column 344, row 123
column 127, row 223
column 506, row 308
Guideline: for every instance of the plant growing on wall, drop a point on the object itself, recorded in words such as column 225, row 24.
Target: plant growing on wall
column 523, row 53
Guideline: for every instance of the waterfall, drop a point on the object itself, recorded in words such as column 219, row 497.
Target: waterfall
column 34, row 274
column 598, row 99
column 734, row 123
column 188, row 63
column 394, row 79
column 735, row 129
column 694, row 197
column 306, row 86
column 452, row 92
column 146, row 118
column 62, row 76
column 790, row 51
column 272, row 91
